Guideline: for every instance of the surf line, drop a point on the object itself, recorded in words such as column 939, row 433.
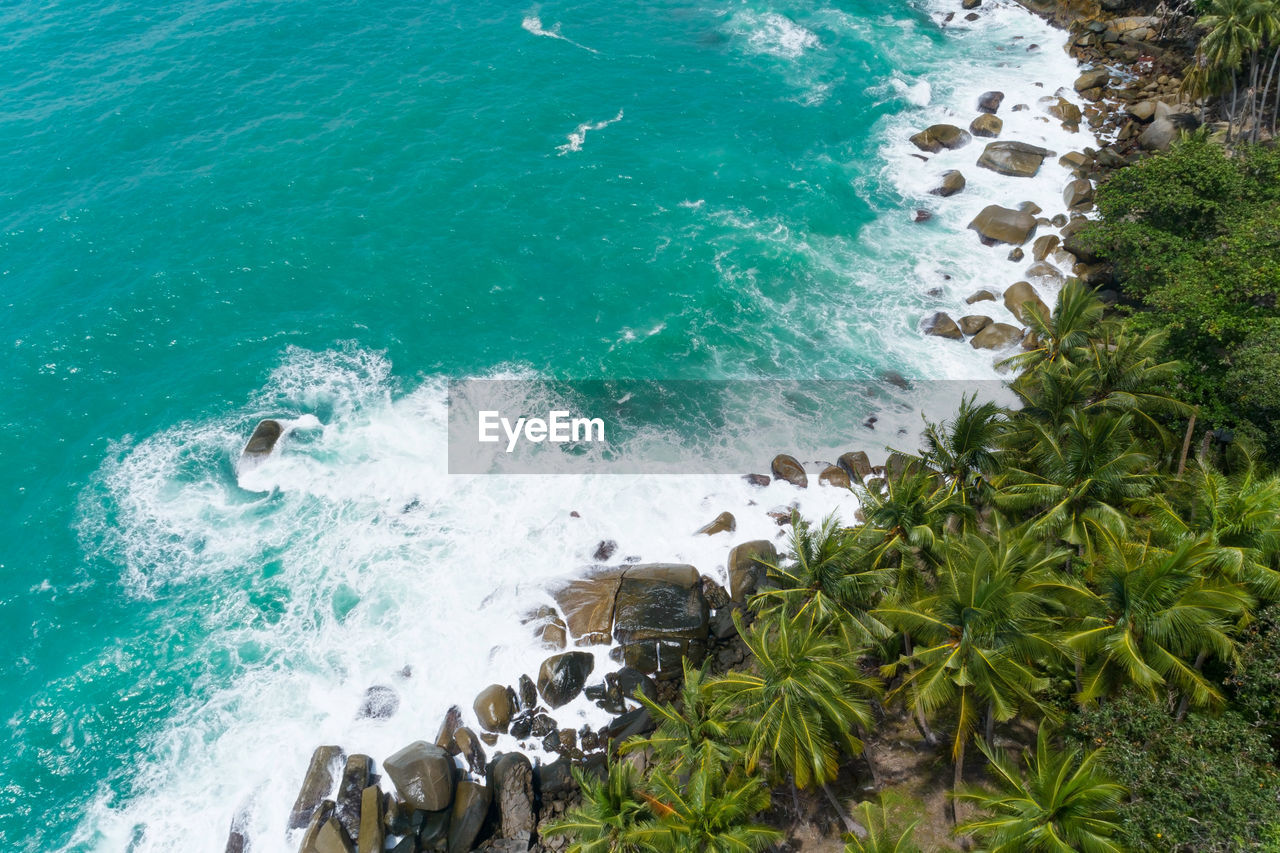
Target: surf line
column 533, row 24
column 579, row 136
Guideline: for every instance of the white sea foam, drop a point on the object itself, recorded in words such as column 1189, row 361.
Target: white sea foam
column 773, row 34
column 533, row 24
column 579, row 135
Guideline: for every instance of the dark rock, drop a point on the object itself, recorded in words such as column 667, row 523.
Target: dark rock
column 470, row 807
column 587, row 601
column 370, row 834
column 422, row 774
column 661, row 603
column 434, row 830
column 555, row 778
column 996, row 336
column 1078, row 193
column 1016, row 159
column 1095, row 79
column 626, row 725
column 380, row 702
column 511, row 780
column 788, row 468
column 316, row 784
column 630, row 682
column 940, row 325
column 716, row 595
column 996, row 224
column 444, row 735
column 921, row 216
column 952, row 183
column 1020, row 297
column 604, row 550
column 972, row 16
column 855, row 464
column 834, row 475
column 986, row 125
column 939, row 136
column 989, row 102
column 562, row 677
column 528, row 693
column 521, row 725
column 356, row 776
column 263, row 440
column 722, row 523
column 238, row 836
column 981, row 296
column 493, row 708
column 471, row 749
column 1016, row 254
column 757, row 479
column 408, row 844
column 974, row 323
column 322, row 815
column 749, row 565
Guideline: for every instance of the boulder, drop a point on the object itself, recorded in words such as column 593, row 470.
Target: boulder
column 555, row 778
column 605, row 549
column 326, row 762
column 986, row 125
column 855, row 464
column 1095, row 79
column 748, row 566
column 1022, row 296
column 1043, row 246
column 788, row 468
column 661, row 615
column 970, row 4
column 380, row 702
column 834, row 475
column 433, row 833
column 974, row 323
column 996, row 224
column 1045, row 273
column 587, row 601
column 562, row 677
column 511, row 780
column 548, row 627
column 1078, row 193
column 952, row 183
column 996, row 336
column 263, row 440
column 1016, row 254
column 1065, row 112
column 759, row 480
column 1163, row 132
column 940, row 325
column 330, row 837
column 444, row 735
column 322, row 815
column 1016, row 159
column 422, row 774
column 1143, row 111
column 371, row 835
column 921, row 216
column 723, row 523
column 1074, row 160
column 629, row 683
column 356, row 776
column 989, row 102
column 471, row 749
column 493, row 708
column 981, row 295
column 939, row 136
column 627, row 725
column 470, row 808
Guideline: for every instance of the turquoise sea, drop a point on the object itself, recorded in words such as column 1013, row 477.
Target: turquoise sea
column 213, row 211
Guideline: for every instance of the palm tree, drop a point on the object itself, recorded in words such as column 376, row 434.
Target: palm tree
column 1064, row 335
column 905, row 515
column 1230, row 38
column 980, row 635
column 612, row 818
column 884, row 833
column 1062, row 804
column 693, row 736
column 710, row 812
column 1126, row 372
column 963, row 449
column 1079, row 477
column 829, row 580
column 1154, row 610
column 803, row 699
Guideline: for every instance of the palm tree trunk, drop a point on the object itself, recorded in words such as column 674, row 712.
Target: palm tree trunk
column 850, row 824
column 990, row 725
column 869, row 757
column 918, row 710
column 957, row 779
column 1266, row 87
column 1186, row 446
column 1186, row 697
column 1275, row 106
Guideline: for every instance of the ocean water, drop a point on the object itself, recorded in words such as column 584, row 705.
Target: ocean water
column 213, row 212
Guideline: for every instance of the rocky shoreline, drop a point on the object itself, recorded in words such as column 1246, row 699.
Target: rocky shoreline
column 448, row 794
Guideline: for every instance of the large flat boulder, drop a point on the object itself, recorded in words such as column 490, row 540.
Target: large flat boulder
column 511, row 780
column 587, row 601
column 939, row 136
column 996, row 336
column 996, row 224
column 1016, row 159
column 423, row 775
column 660, row 616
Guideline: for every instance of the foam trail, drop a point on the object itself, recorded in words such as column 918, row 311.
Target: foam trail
column 579, row 136
column 533, row 24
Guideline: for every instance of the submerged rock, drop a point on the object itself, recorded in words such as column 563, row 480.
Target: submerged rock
column 380, row 702
column 722, row 523
column 989, row 102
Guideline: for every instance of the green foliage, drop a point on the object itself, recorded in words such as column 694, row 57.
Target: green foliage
column 1063, row 802
column 612, row 815
column 1254, row 682
column 1205, row 784
column 886, row 831
column 694, row 735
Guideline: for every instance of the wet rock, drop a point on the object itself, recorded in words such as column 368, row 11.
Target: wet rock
column 562, row 677
column 952, row 183
column 939, row 136
column 921, row 216
column 543, row 725
column 660, row 610
column 986, row 125
column 380, row 702
column 1016, row 254
column 238, row 836
column 1020, row 297
column 587, row 601
column 757, row 479
column 422, row 774
column 748, row 565
column 1078, row 193
column 1043, row 246
column 981, row 296
column 716, row 595
column 1074, row 160
column 493, row 708
column 326, row 762
column 940, row 325
column 471, row 749
column 788, row 468
column 627, row 725
column 974, row 323
column 996, row 336
column 332, row 838
column 433, row 832
column 548, row 628
column 511, row 780
column 833, row 475
column 1016, row 159
column 1065, row 112
column 470, row 807
column 605, row 549
column 322, row 816
column 263, row 440
column 996, row 224
column 970, row 4
column 855, row 464
column 630, row 682
column 371, row 834
column 555, row 778
column 356, row 776
column 1045, row 274
column 972, row 16
column 1095, row 79
column 722, row 523
column 989, row 102
column 527, row 693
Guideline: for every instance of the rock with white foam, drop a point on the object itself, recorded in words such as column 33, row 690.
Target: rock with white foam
column 423, row 776
column 996, row 224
